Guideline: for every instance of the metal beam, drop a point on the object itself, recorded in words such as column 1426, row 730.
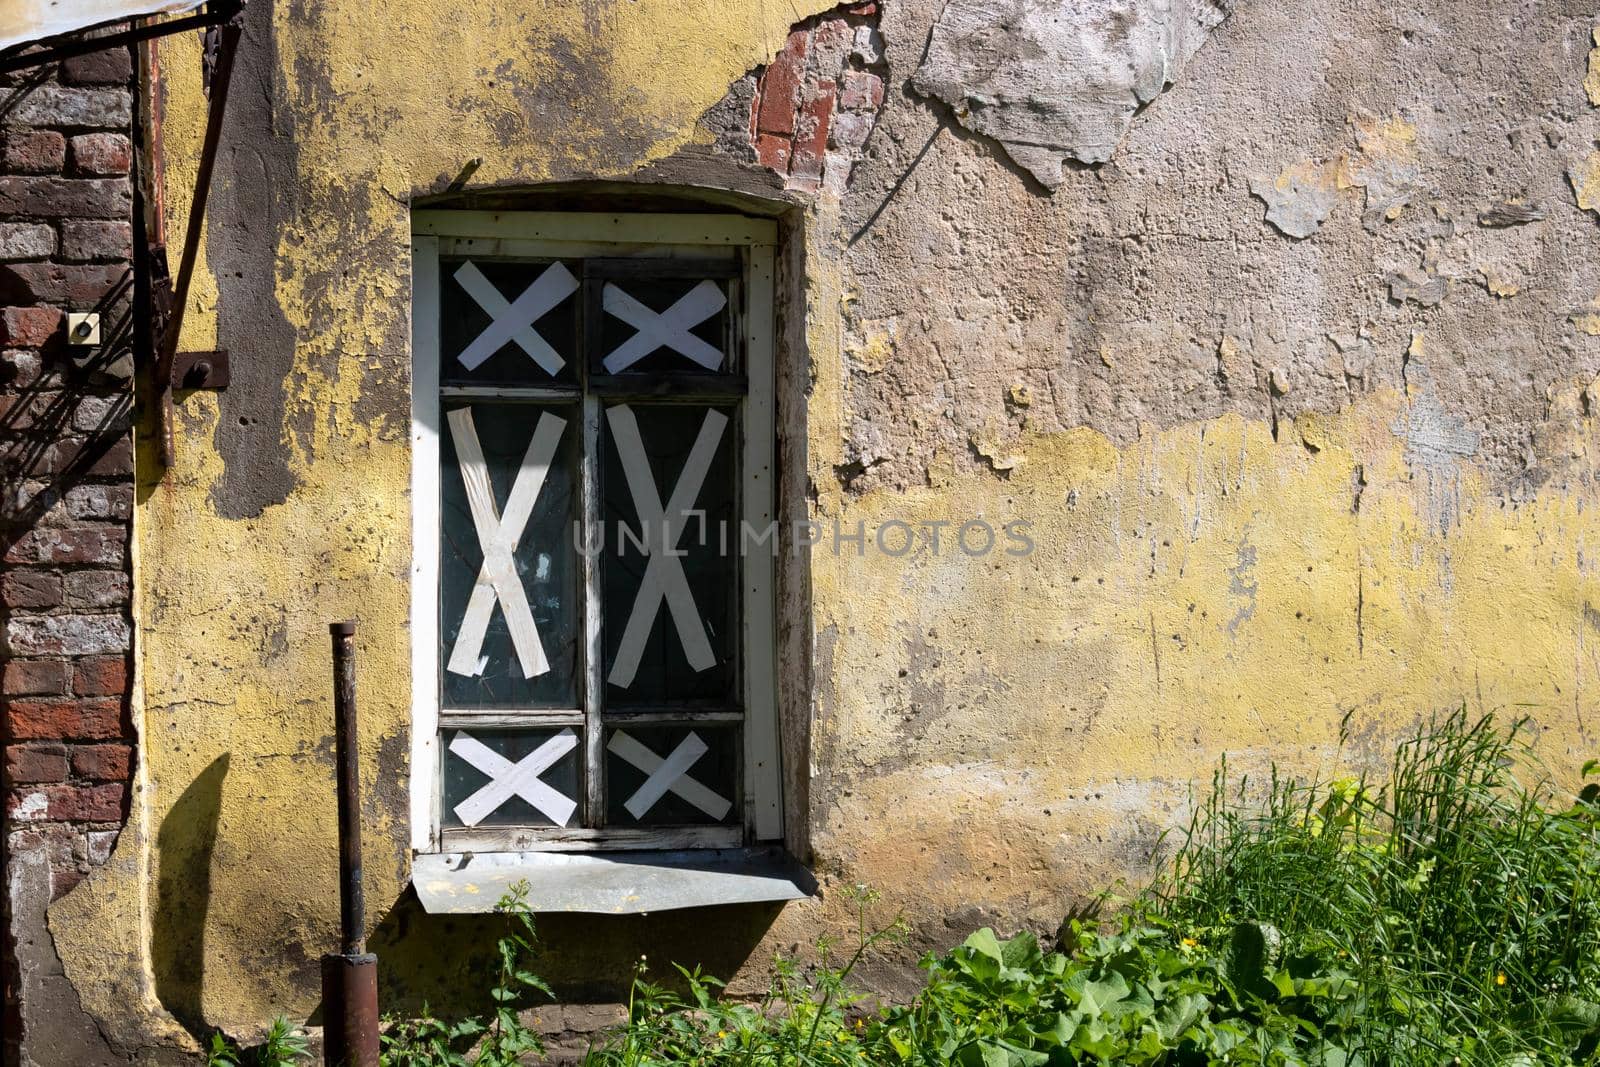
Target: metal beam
column 65, row 46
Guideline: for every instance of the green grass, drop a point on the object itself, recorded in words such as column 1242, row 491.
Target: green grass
column 1446, row 913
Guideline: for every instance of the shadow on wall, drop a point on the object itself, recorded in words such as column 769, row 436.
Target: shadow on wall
column 448, row 961
column 184, row 845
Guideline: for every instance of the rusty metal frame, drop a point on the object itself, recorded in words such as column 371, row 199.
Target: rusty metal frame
column 67, row 45
column 228, row 45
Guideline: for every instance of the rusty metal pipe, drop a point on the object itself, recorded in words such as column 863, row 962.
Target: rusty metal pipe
column 349, row 977
column 352, row 899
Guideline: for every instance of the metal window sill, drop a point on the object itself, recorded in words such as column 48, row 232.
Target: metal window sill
column 609, row 883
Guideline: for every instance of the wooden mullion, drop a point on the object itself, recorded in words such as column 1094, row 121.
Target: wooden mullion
column 660, row 267
column 665, row 716
column 509, row 718
column 688, row 386
column 588, row 839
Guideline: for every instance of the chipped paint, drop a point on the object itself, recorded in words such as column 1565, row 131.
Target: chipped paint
column 1591, row 81
column 1301, row 197
column 1259, row 501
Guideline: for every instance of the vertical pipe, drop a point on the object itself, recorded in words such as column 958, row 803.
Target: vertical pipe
column 352, row 899
column 350, row 976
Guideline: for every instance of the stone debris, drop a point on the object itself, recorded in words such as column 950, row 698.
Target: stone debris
column 1053, row 80
column 1515, row 212
column 1417, row 286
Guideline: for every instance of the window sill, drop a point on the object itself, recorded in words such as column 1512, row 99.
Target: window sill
column 609, row 883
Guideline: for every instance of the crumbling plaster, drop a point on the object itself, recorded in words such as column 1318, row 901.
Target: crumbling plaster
column 1265, row 492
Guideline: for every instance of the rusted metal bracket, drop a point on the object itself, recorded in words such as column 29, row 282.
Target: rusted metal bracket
column 166, row 350
column 200, row 370
column 55, row 49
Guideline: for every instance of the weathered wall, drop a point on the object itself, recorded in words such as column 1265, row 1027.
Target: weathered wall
column 1273, row 479
column 66, row 505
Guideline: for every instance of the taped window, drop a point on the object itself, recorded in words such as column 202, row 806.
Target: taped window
column 593, row 458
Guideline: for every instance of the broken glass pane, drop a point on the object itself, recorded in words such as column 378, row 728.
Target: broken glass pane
column 512, row 777
column 508, row 620
column 504, row 322
column 668, row 484
column 662, row 324
column 672, row 775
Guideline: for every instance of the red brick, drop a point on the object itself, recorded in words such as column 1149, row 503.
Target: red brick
column 100, row 501
column 67, row 635
column 23, row 368
column 62, row 881
column 48, row 104
column 27, row 588
column 85, row 803
column 861, row 92
column 866, row 10
column 97, row 589
column 83, row 456
column 47, row 197
column 27, row 764
column 100, row 153
column 89, row 544
column 74, row 285
column 772, row 149
column 83, row 239
column 100, row 676
column 779, row 89
column 811, row 141
column 36, row 677
column 102, row 763
column 33, row 151
column 28, row 327
column 110, row 66
column 98, row 719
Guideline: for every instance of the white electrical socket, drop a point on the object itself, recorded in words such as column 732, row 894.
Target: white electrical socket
column 83, row 328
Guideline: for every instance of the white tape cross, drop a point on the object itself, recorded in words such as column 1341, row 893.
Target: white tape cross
column 667, row 775
column 519, row 779
column 663, row 575
column 499, row 535
column 669, row 329
column 513, row 321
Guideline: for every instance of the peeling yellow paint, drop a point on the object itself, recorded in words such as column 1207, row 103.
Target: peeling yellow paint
column 1497, row 285
column 1591, row 81
column 1200, row 590
column 1585, row 179
column 1587, row 318
column 1205, row 590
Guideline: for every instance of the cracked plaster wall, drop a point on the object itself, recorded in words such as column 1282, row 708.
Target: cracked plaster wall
column 1278, row 471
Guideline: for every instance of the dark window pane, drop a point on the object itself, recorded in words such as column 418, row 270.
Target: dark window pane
column 670, row 638
column 661, row 324
column 540, row 577
column 512, row 777
column 672, row 775
column 534, row 343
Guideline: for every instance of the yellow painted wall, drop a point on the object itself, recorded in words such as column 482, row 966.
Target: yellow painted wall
column 997, row 732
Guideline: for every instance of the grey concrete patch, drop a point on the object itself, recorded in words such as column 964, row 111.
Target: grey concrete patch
column 1053, row 80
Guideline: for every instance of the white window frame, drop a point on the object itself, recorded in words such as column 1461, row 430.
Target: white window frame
column 576, row 235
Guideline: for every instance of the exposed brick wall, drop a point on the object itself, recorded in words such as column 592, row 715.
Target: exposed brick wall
column 816, row 103
column 66, row 241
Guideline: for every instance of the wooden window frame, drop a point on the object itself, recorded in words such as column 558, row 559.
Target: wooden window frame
column 748, row 243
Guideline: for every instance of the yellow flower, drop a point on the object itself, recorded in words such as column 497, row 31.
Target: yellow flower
column 860, row 1023
column 721, row 1034
column 1189, row 942
column 1500, row 979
